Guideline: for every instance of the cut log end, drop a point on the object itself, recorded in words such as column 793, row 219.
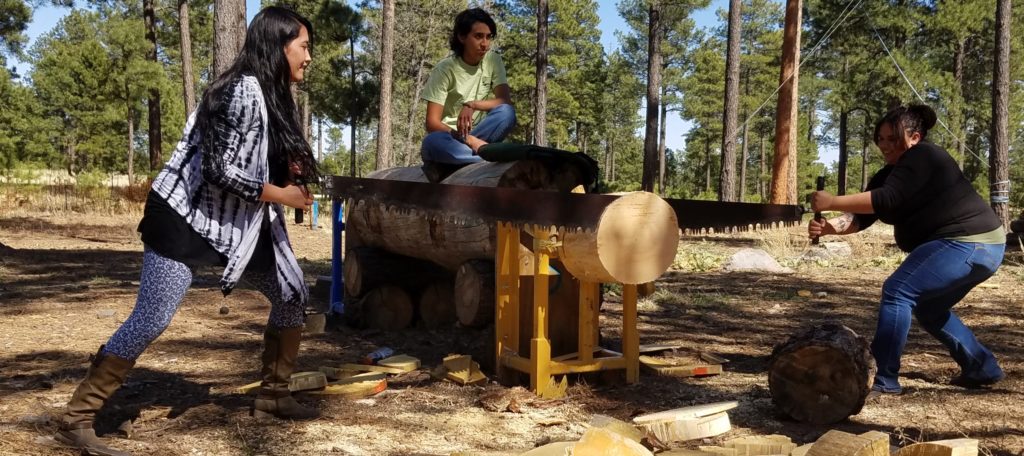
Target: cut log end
column 437, row 305
column 387, row 308
column 635, row 242
column 474, row 293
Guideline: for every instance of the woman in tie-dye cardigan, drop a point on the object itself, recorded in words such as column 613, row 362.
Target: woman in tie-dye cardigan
column 219, row 201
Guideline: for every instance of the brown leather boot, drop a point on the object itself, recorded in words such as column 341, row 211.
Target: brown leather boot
column 105, row 375
column 280, row 348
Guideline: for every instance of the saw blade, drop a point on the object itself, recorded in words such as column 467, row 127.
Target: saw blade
column 467, row 204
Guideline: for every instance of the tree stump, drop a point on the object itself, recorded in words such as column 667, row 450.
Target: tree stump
column 474, row 293
column 437, row 304
column 387, row 308
column 821, row 375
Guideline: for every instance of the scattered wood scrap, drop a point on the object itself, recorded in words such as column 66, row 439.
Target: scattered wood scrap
column 706, row 365
column 405, row 363
column 954, row 447
column 356, row 386
column 688, row 423
column 299, row 381
column 462, row 369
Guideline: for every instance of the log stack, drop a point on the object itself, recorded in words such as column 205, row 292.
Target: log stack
column 445, row 267
column 821, row 375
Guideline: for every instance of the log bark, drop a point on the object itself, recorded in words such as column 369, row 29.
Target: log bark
column 437, row 305
column 443, row 242
column 474, row 293
column 822, row 375
column 607, row 255
column 387, row 308
column 367, row 268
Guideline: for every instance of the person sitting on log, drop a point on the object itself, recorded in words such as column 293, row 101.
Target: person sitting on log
column 467, row 94
column 955, row 241
column 218, row 202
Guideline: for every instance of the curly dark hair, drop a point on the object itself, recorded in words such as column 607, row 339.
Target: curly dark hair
column 464, row 24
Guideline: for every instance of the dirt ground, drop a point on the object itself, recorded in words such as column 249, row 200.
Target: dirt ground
column 67, row 282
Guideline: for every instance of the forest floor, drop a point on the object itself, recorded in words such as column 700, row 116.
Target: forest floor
column 67, row 282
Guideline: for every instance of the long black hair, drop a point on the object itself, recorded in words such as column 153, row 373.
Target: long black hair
column 262, row 56
column 464, row 24
column 906, row 120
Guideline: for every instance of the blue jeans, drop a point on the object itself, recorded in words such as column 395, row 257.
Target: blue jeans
column 442, row 147
column 933, row 278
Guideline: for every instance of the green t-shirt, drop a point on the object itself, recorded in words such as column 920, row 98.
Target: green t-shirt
column 452, row 82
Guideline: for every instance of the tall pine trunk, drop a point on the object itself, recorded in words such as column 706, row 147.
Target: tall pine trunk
column 783, row 188
column 727, row 180
column 540, row 104
column 662, row 158
column 744, row 156
column 155, row 140
column 998, row 172
column 650, row 161
column 187, row 79
column 352, row 111
column 387, row 60
column 844, row 116
column 228, row 33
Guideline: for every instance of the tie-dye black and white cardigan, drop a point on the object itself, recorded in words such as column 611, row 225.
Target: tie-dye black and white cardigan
column 217, row 191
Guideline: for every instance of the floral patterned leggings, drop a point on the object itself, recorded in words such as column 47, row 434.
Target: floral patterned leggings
column 162, row 287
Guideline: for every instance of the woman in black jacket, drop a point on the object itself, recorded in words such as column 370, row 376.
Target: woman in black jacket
column 954, row 240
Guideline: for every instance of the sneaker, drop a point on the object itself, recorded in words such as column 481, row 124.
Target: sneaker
column 964, row 381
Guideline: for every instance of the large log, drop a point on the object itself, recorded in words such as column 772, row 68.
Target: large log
column 821, row 375
column 621, row 249
column 441, row 241
column 366, row 268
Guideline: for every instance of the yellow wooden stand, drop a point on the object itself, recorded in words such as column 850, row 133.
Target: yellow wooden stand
column 539, row 364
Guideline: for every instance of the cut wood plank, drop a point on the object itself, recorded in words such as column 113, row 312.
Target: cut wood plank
column 463, row 370
column 718, row 450
column 664, row 367
column 405, row 363
column 602, row 442
column 879, row 443
column 299, row 381
column 801, row 450
column 304, row 381
column 953, row 447
column 839, row 443
column 372, row 368
column 754, row 445
column 622, row 428
column 821, row 375
column 356, row 386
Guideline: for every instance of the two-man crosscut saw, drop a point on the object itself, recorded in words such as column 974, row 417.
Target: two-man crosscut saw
column 460, row 203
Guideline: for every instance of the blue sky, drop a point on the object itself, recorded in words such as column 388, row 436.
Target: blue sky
column 46, row 17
